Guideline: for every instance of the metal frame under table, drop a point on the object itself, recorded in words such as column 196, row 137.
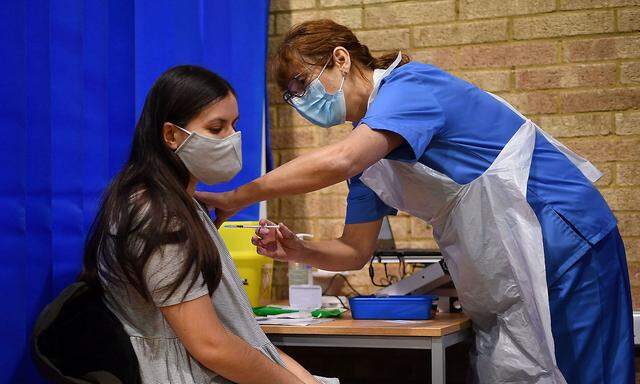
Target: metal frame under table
column 444, row 330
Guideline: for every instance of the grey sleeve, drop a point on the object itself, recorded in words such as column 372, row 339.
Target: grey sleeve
column 327, row 380
column 162, row 270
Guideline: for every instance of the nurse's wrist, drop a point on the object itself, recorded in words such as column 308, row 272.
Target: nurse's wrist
column 305, row 253
column 243, row 196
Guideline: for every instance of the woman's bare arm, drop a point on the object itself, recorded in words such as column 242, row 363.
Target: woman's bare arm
column 205, row 338
column 297, row 369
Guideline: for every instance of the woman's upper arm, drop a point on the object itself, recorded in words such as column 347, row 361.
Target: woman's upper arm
column 196, row 324
column 407, row 106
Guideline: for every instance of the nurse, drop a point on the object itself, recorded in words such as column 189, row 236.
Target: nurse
column 531, row 245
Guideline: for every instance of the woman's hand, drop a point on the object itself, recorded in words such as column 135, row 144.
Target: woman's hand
column 220, row 202
column 278, row 243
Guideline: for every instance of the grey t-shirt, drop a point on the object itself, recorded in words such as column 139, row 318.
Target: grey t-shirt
column 161, row 355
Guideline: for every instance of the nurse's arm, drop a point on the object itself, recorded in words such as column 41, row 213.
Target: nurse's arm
column 314, row 170
column 206, row 339
column 351, row 251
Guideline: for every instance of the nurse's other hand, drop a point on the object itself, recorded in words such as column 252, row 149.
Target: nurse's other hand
column 218, row 202
column 277, row 243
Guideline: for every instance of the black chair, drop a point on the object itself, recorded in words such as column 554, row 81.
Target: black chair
column 77, row 340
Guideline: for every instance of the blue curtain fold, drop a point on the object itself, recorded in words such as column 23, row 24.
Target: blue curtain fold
column 75, row 75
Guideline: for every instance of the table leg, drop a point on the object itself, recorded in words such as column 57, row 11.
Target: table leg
column 438, row 363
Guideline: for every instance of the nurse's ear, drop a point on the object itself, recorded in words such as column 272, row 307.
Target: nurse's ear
column 342, row 59
column 172, row 136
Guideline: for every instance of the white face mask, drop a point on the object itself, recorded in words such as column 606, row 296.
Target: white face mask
column 211, row 160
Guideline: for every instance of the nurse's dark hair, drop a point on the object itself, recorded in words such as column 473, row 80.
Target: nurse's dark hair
column 313, row 42
column 146, row 207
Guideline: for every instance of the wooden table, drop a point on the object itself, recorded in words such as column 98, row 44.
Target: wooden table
column 444, row 330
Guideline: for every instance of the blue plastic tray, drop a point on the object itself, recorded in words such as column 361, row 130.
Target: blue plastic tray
column 417, row 307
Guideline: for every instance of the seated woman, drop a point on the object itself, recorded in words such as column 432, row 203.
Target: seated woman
column 164, row 270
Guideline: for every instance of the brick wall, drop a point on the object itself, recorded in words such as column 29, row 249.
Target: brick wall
column 573, row 66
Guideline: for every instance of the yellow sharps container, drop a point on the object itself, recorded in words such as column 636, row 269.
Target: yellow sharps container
column 254, row 269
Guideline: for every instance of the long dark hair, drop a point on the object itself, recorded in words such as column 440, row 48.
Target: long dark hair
column 146, row 206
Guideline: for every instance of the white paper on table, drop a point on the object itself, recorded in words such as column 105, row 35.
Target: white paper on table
column 292, row 315
column 294, row 321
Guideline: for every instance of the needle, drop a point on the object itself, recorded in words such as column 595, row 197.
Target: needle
column 239, row 226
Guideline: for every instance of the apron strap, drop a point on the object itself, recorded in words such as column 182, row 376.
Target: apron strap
column 379, row 74
column 588, row 170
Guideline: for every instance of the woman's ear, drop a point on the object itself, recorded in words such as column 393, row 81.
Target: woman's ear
column 342, row 59
column 171, row 136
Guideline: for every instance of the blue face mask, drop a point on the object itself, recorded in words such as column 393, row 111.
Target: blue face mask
column 318, row 106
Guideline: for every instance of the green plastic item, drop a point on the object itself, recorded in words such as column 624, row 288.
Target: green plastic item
column 269, row 310
column 326, row 313
column 318, row 313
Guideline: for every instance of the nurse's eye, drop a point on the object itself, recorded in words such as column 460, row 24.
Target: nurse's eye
column 297, row 85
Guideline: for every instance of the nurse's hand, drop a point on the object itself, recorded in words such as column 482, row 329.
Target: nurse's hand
column 220, row 203
column 278, row 243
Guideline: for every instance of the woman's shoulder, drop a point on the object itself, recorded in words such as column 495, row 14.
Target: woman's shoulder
column 142, row 205
column 414, row 84
column 138, row 214
column 138, row 206
column 422, row 76
column 417, row 69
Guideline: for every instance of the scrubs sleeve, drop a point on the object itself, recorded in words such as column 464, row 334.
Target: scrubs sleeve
column 405, row 105
column 363, row 205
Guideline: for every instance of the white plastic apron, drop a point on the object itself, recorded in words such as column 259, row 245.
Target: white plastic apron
column 492, row 243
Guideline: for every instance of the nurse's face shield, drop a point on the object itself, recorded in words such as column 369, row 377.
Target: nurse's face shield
column 298, row 84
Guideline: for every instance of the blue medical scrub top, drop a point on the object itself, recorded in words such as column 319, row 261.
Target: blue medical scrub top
column 458, row 129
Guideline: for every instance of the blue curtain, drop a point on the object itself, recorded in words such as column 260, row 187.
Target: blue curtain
column 75, row 74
